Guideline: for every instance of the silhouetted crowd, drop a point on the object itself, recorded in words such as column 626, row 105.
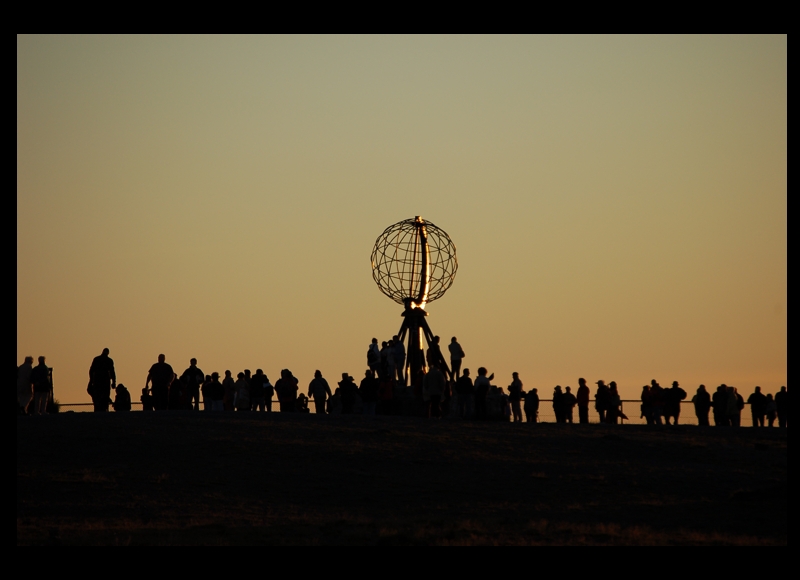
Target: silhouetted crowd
column 440, row 391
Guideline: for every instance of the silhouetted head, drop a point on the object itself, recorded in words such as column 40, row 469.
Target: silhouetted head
column 613, row 384
column 121, row 386
column 515, row 375
column 534, row 390
column 674, row 383
column 215, row 375
column 600, row 383
column 29, row 360
column 41, row 360
column 240, row 376
column 105, row 352
column 581, row 382
column 568, row 389
column 344, row 376
column 227, row 373
column 465, row 372
column 374, row 341
column 247, row 372
column 453, row 339
column 557, row 389
column 318, row 374
column 769, row 397
column 783, row 389
column 368, row 374
column 383, row 344
column 654, row 382
column 758, row 389
column 436, row 340
column 482, row 371
column 208, row 377
column 259, row 372
column 193, row 362
column 161, row 358
column 701, row 389
column 395, row 338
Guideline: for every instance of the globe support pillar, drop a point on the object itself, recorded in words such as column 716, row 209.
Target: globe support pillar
column 414, row 328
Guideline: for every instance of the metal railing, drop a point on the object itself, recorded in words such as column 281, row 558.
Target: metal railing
column 548, row 416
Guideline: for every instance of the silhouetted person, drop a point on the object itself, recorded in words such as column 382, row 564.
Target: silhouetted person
column 656, row 401
column 782, row 407
column 24, row 385
column 433, row 386
column 646, row 407
column 192, row 378
column 601, row 400
column 301, row 404
column 515, row 397
column 702, row 404
column 258, row 391
column 286, row 389
column 466, row 395
column 160, row 375
column 349, row 392
column 269, row 393
column 719, row 402
column 558, row 404
column 215, row 393
column 757, row 402
column 374, row 356
column 399, row 360
column 770, row 410
column 386, row 354
column 672, row 402
column 242, row 399
column 320, row 391
column 734, row 410
column 482, row 384
column 456, row 356
column 569, row 401
column 204, row 393
column 614, row 405
column 178, row 394
column 434, row 356
column 122, row 399
column 532, row 406
column 335, row 402
column 102, row 379
column 229, row 386
column 147, row 400
column 368, row 389
column 582, row 398
column 40, row 377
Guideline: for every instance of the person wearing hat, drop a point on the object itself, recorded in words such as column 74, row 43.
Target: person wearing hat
column 601, row 400
column 215, row 393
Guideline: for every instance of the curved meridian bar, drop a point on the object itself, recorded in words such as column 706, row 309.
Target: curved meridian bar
column 425, row 268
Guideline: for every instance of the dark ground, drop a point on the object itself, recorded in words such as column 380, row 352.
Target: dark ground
column 235, row 478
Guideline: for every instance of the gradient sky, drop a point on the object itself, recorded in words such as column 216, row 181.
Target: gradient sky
column 618, row 203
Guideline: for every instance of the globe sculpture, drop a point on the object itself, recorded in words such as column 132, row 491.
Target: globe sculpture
column 414, row 263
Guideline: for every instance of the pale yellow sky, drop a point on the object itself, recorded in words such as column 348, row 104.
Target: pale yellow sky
column 618, row 203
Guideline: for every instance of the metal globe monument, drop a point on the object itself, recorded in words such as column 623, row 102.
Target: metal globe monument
column 414, row 263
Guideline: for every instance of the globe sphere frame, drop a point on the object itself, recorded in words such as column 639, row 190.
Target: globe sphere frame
column 413, row 263
column 414, row 260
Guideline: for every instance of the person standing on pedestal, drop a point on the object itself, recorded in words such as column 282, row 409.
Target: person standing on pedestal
column 456, row 354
